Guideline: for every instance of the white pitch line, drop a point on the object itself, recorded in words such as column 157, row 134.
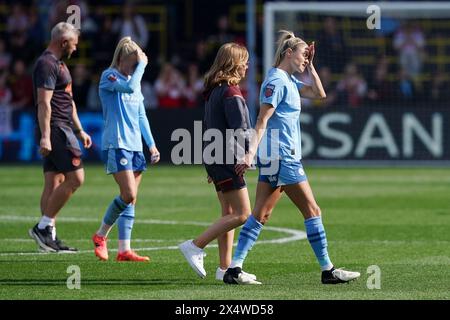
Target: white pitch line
column 79, row 219
column 294, row 234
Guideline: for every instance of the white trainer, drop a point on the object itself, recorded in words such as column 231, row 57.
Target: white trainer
column 194, row 256
column 220, row 273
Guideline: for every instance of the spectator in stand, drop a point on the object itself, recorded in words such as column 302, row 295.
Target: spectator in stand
column 104, row 43
column 5, row 108
column 409, row 41
column 194, row 87
column 5, row 57
column 35, row 30
column 406, row 89
column 352, row 87
column 380, row 89
column 333, row 51
column 57, row 12
column 20, row 46
column 170, row 87
column 329, row 87
column 81, row 83
column 89, row 25
column 223, row 34
column 93, row 99
column 245, row 88
column 132, row 25
column 439, row 89
column 17, row 20
column 21, row 86
column 203, row 57
column 150, row 97
column 5, row 92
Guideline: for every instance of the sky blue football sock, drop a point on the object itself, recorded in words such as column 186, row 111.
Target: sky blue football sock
column 125, row 223
column 247, row 238
column 318, row 240
column 114, row 210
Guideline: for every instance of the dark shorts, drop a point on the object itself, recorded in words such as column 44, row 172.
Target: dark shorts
column 224, row 177
column 62, row 158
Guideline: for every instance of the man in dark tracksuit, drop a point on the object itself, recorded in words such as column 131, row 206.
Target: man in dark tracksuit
column 59, row 129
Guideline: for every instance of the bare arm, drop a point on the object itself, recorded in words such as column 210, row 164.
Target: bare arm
column 76, row 121
column 78, row 129
column 315, row 90
column 265, row 112
column 44, row 114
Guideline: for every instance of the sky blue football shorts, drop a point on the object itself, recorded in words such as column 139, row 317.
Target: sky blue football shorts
column 117, row 160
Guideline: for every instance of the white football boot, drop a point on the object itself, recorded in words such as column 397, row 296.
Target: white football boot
column 220, row 273
column 194, row 256
column 335, row 276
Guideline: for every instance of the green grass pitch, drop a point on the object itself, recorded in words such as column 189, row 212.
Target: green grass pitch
column 397, row 219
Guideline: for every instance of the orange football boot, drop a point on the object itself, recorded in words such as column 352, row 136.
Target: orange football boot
column 130, row 255
column 101, row 251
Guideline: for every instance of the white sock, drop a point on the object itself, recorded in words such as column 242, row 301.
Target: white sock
column 235, row 264
column 46, row 221
column 124, row 245
column 104, row 230
column 328, row 267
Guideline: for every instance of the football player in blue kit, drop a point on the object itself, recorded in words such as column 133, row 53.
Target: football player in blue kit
column 125, row 122
column 278, row 126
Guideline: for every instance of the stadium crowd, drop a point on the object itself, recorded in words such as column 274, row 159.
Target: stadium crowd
column 175, row 80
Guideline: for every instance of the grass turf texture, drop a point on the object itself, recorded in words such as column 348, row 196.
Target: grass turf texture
column 397, row 219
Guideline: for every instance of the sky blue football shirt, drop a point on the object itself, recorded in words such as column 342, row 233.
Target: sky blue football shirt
column 124, row 117
column 282, row 139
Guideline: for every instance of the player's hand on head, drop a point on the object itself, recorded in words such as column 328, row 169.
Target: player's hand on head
column 154, row 155
column 45, row 147
column 311, row 52
column 142, row 56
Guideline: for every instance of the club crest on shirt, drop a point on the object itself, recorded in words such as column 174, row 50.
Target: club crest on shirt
column 112, row 78
column 76, row 161
column 268, row 92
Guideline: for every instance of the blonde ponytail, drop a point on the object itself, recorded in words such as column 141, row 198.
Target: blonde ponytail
column 286, row 40
column 124, row 48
